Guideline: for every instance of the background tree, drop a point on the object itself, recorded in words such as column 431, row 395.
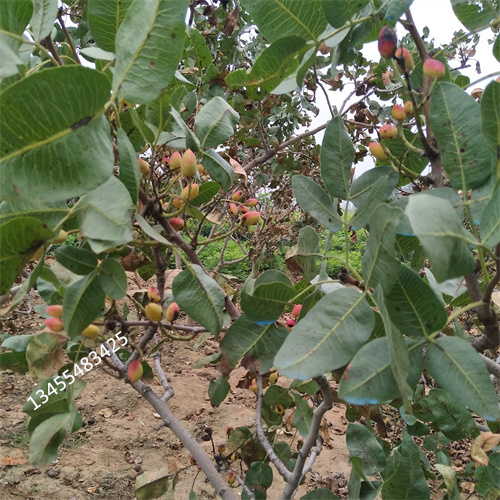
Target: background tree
column 228, row 90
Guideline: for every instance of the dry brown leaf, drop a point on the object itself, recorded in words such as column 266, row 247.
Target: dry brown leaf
column 387, row 77
column 478, row 455
column 477, row 93
column 238, row 169
column 487, row 440
column 6, row 461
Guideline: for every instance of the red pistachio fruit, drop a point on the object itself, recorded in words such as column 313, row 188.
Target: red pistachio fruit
column 55, row 311
column 153, row 294
column 177, row 223
column 387, row 42
column 250, row 218
column 135, row 371
column 54, row 324
column 296, row 311
column 172, row 312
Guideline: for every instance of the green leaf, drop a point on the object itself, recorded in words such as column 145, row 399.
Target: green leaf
column 14, row 17
column 158, row 111
column 369, row 378
column 398, row 350
column 265, row 300
column 17, row 343
column 19, row 239
column 259, row 474
column 445, row 241
column 496, row 49
column 451, row 417
column 408, row 480
column 200, row 297
column 456, row 121
column 49, row 213
column 305, row 254
column 277, row 394
column 207, row 191
column 83, row 302
column 490, row 221
column 218, row 390
column 476, row 14
column 62, row 108
column 112, row 278
column 10, row 60
column 149, row 44
column 14, row 361
column 47, row 438
column 77, row 260
column 42, row 20
column 215, row 123
column 247, row 338
column 280, row 18
column 363, row 444
column 152, row 484
column 302, row 419
column 43, row 354
column 459, row 369
column 273, row 65
column 413, row 305
column 218, row 168
column 152, row 233
column 379, row 262
column 105, row 17
column 368, row 191
column 328, row 337
column 130, row 171
column 490, row 115
column 314, row 200
column 199, row 44
column 105, row 216
column 339, row 12
column 337, row 155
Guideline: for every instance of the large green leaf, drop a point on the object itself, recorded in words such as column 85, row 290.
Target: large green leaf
column 490, row 115
column 315, row 201
column 337, row 155
column 42, row 20
column 78, row 260
column 328, row 337
column 338, row 12
column 408, row 480
column 105, row 17
column 302, row 419
column 68, row 150
column 452, row 418
column 273, row 65
column 368, row 191
column 456, row 122
column 490, row 221
column 281, row 18
column 459, row 369
column 305, row 254
column 200, row 296
column 363, row 444
column 247, row 338
column 445, row 241
column 218, row 168
column 264, row 299
column 476, row 14
column 149, row 44
column 200, row 47
column 368, row 379
column 130, row 171
column 105, row 216
column 379, row 260
column 48, row 436
column 19, row 239
column 112, row 278
column 218, row 390
column 83, row 302
column 49, row 213
column 413, row 305
column 216, row 122
column 398, row 350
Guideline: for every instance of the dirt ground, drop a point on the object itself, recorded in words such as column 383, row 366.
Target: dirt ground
column 118, row 441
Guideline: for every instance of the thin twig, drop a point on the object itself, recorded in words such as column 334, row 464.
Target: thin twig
column 67, row 35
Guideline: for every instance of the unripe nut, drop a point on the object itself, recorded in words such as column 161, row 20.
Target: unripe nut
column 408, row 108
column 387, row 42
column 377, row 150
column 177, row 223
column 189, row 167
column 251, row 202
column 177, row 202
column 144, row 166
column 388, row 131
column 242, row 209
column 296, row 311
column 253, row 386
column 154, row 312
column 135, row 371
column 434, row 69
column 250, row 218
column 91, row 332
column 187, row 195
column 56, row 311
column 273, row 378
column 153, row 294
column 237, row 196
column 398, row 113
column 54, row 324
column 61, row 237
column 172, row 312
column 174, row 162
column 404, row 54
column 233, row 209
